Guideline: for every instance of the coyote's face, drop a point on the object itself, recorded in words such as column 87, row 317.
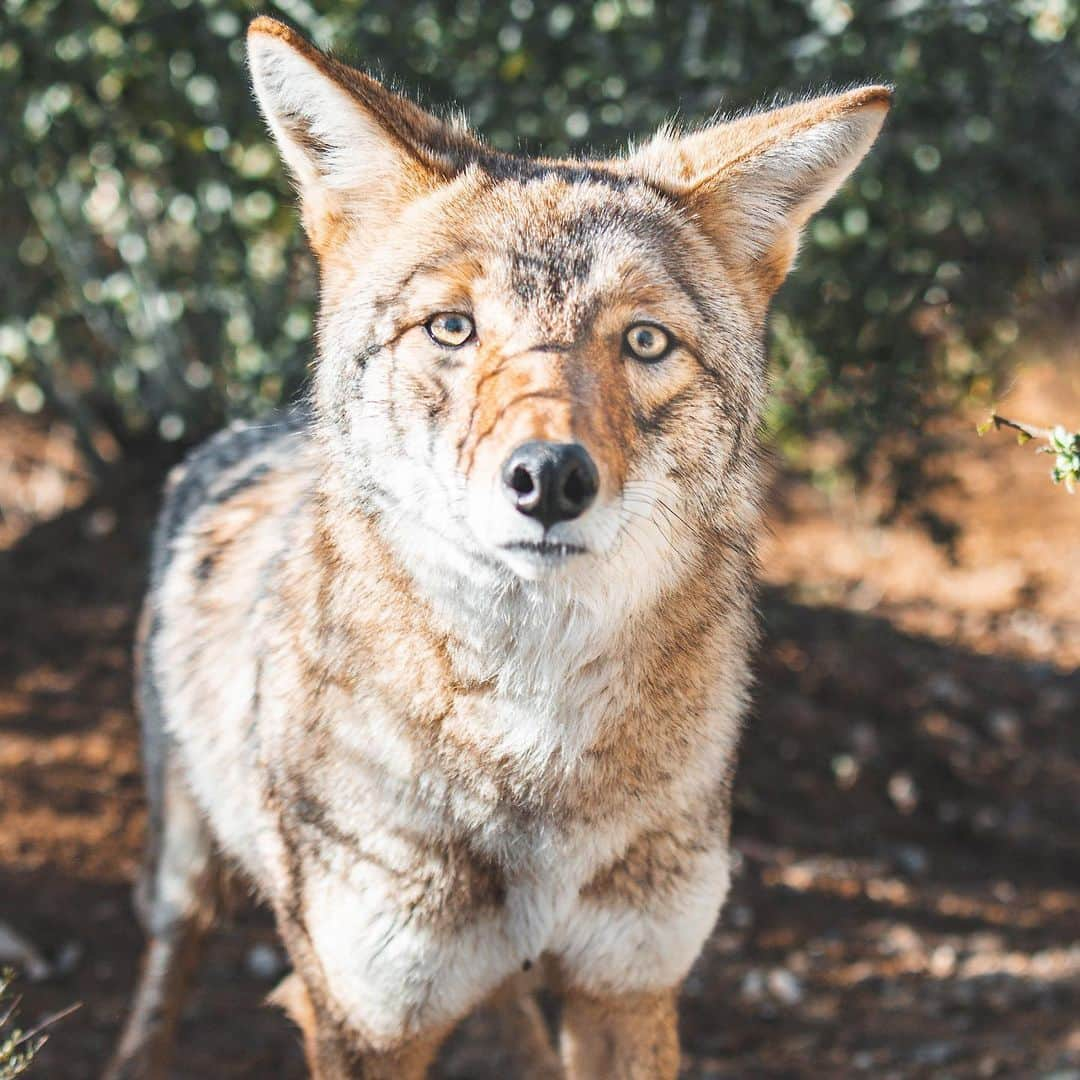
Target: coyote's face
column 543, row 362
column 540, row 367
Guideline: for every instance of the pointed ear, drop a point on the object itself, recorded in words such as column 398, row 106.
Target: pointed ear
column 355, row 149
column 754, row 182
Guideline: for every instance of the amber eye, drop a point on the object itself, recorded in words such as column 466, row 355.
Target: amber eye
column 647, row 342
column 450, row 329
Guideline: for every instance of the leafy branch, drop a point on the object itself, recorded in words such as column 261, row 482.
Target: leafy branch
column 18, row 1047
column 1062, row 443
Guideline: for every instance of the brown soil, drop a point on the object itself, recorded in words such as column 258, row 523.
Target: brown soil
column 907, row 899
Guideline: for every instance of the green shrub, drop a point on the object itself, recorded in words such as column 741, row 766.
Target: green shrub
column 1063, row 444
column 155, row 279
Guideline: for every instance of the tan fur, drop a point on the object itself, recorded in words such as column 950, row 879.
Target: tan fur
column 634, row 1037
column 444, row 741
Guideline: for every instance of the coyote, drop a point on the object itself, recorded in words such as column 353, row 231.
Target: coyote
column 451, row 663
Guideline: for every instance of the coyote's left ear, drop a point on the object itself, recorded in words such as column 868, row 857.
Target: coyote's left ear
column 754, row 182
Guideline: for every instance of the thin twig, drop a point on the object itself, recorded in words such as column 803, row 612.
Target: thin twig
column 52, row 1018
column 9, row 1010
column 1030, row 430
column 1061, row 443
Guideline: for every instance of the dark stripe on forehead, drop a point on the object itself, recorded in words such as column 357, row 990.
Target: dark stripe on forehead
column 547, row 347
column 553, row 251
column 430, row 266
column 392, row 295
column 696, row 297
column 548, row 274
column 571, row 235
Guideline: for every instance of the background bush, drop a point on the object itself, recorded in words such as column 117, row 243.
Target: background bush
column 155, row 281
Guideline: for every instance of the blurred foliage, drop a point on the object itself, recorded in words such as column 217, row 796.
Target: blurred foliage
column 154, row 279
column 17, row 1049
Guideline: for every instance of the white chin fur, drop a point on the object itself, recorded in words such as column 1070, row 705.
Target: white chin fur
column 538, row 566
column 516, row 540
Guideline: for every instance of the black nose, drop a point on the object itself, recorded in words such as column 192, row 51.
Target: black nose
column 551, row 482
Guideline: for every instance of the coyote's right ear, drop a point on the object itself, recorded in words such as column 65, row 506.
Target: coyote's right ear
column 355, row 149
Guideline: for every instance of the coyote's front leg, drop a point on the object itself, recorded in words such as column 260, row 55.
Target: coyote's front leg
column 640, row 923
column 177, row 902
column 332, row 1054
column 621, row 1037
column 524, row 1039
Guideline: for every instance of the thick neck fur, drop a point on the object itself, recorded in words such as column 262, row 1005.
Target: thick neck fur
column 614, row 670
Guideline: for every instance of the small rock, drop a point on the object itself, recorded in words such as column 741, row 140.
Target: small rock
column 67, row 959
column 934, row 1053
column 864, row 742
column 899, row 940
column 100, row 523
column 15, row 949
column 912, row 860
column 785, row 987
column 943, row 961
column 904, row 792
column 742, row 916
column 752, row 987
column 1054, row 700
column 1005, row 724
column 945, row 687
column 865, row 597
column 846, row 770
column 694, row 985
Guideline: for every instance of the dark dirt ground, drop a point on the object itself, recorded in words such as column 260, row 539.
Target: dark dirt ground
column 907, row 895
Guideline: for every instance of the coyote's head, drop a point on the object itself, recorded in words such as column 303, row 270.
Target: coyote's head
column 545, row 362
